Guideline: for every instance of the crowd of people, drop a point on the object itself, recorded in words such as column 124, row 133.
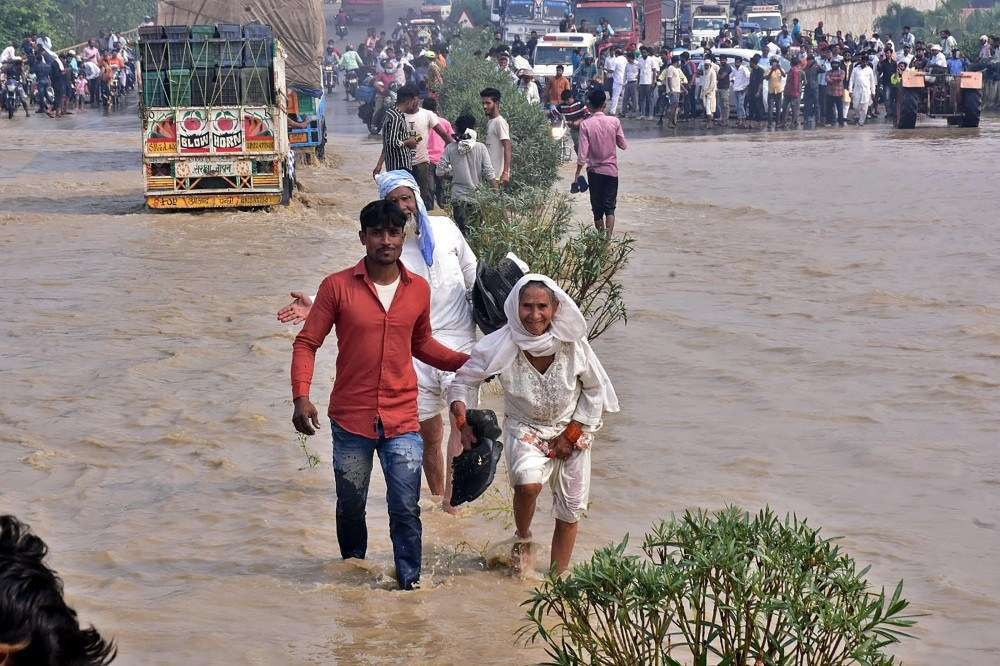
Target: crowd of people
column 829, row 78
column 56, row 84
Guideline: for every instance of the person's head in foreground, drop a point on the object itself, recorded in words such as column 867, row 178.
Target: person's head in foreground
column 382, row 232
column 37, row 627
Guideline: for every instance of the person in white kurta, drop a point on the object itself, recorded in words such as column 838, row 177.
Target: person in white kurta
column 709, row 87
column 862, row 88
column 550, row 413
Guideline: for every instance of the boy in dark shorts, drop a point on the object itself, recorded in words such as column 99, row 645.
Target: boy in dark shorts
column 600, row 137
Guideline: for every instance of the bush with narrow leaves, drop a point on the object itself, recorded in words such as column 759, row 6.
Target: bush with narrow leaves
column 726, row 588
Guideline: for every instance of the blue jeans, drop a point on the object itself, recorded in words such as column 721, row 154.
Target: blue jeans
column 401, row 458
column 43, row 89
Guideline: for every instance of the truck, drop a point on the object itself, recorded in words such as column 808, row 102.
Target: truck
column 215, row 96
column 439, row 10
column 767, row 18
column 363, row 12
column 521, row 17
column 707, row 21
column 624, row 16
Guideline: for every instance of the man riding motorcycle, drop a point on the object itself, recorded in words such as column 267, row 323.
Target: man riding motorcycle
column 330, row 65
column 350, row 62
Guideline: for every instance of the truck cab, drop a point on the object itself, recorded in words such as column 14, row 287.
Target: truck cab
column 707, row 21
column 767, row 17
column 622, row 16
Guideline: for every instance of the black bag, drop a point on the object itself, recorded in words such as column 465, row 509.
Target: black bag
column 473, row 471
column 492, row 287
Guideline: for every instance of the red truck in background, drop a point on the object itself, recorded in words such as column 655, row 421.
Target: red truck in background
column 364, row 13
column 651, row 23
column 624, row 17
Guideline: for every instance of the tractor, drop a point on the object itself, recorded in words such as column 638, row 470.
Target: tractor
column 937, row 94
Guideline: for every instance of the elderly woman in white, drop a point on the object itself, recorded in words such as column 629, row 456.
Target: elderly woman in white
column 556, row 392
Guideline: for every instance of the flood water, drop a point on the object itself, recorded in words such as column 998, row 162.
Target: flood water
column 814, row 324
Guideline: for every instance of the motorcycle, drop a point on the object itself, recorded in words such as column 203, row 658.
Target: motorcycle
column 329, row 78
column 561, row 135
column 382, row 102
column 341, row 31
column 351, row 84
column 14, row 96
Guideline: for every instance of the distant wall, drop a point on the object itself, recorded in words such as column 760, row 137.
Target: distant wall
column 854, row 16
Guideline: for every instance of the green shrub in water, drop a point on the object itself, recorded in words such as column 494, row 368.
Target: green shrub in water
column 537, row 226
column 535, row 155
column 726, row 588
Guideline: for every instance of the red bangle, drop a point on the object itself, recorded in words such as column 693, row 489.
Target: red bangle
column 573, row 432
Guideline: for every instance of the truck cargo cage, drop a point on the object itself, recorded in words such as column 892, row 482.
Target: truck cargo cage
column 154, row 88
column 225, row 87
column 230, row 53
column 153, row 54
column 177, row 33
column 180, row 87
column 205, row 53
column 150, row 32
column 178, row 54
column 202, row 79
column 256, row 85
column 257, row 53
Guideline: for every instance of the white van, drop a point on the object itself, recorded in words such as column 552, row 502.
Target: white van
column 556, row 48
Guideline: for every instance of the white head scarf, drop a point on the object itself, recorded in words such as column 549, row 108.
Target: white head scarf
column 568, row 325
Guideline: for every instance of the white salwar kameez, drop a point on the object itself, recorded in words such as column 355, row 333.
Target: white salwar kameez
column 538, row 406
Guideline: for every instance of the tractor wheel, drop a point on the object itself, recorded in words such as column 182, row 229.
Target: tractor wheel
column 906, row 111
column 972, row 106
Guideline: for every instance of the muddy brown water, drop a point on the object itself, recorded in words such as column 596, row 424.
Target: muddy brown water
column 814, row 324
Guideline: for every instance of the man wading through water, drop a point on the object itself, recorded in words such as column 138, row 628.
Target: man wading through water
column 434, row 249
column 381, row 312
column 600, row 135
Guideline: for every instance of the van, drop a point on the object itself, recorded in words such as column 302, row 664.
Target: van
column 556, row 48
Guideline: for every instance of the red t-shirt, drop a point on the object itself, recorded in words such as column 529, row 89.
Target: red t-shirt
column 375, row 376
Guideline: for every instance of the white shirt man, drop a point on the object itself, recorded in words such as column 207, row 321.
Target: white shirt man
column 740, row 77
column 948, row 45
column 772, row 50
column 646, row 70
column 8, row 54
column 937, row 58
column 618, row 82
column 674, row 78
column 423, row 122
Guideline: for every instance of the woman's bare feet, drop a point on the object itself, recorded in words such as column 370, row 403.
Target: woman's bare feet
column 522, row 559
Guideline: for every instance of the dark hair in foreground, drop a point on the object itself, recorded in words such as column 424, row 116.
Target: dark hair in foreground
column 430, row 104
column 37, row 628
column 491, row 93
column 407, row 92
column 462, row 123
column 596, row 99
column 382, row 214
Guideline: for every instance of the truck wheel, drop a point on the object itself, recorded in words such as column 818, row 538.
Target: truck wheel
column 972, row 106
column 906, row 112
column 321, row 148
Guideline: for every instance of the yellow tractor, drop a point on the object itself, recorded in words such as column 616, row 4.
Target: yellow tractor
column 937, row 94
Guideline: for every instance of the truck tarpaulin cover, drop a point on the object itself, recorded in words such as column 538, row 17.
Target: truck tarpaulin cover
column 298, row 24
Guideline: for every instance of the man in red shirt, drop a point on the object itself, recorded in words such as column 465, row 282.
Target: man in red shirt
column 382, row 315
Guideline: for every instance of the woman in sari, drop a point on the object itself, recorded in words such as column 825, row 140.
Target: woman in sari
column 556, row 393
